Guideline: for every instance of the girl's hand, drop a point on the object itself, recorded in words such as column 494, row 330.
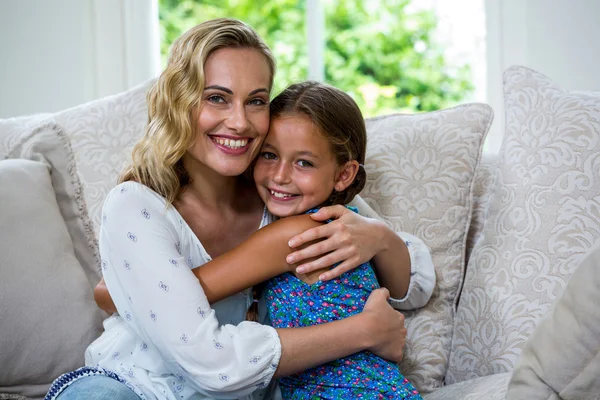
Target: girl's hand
column 386, row 326
column 103, row 299
column 349, row 240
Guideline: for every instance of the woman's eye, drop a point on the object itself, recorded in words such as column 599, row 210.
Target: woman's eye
column 268, row 156
column 215, row 98
column 305, row 164
column 258, row 102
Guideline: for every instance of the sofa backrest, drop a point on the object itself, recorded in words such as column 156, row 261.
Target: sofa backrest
column 103, row 132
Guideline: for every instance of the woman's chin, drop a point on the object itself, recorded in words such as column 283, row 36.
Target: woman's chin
column 230, row 170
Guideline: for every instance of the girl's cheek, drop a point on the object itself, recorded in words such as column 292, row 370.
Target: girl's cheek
column 259, row 170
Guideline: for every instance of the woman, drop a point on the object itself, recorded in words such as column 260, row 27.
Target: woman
column 186, row 200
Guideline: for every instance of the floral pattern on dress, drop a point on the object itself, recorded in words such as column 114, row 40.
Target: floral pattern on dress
column 293, row 303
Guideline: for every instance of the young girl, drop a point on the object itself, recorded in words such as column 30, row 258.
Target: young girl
column 313, row 157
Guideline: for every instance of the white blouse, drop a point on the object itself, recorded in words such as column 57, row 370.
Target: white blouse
column 167, row 342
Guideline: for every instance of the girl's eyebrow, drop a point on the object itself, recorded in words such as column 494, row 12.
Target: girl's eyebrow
column 298, row 153
column 307, row 153
column 230, row 92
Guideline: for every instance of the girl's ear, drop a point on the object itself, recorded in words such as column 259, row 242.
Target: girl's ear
column 345, row 176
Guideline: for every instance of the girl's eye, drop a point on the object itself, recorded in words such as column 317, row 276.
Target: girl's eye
column 215, row 98
column 268, row 156
column 305, row 164
column 258, row 102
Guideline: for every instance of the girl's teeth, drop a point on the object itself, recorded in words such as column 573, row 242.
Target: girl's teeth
column 280, row 195
column 232, row 144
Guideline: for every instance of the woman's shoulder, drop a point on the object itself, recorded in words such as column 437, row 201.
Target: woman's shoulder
column 136, row 189
column 134, row 194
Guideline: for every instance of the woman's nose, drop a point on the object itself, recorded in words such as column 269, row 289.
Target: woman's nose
column 237, row 120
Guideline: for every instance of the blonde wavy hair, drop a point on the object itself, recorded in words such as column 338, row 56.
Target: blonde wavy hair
column 175, row 97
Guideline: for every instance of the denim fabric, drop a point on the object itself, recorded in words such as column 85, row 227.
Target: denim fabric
column 97, row 387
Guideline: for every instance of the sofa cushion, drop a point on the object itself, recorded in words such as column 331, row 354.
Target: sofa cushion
column 562, row 356
column 102, row 134
column 543, row 217
column 11, row 130
column 48, row 314
column 4, row 396
column 420, row 172
column 491, row 387
column 48, row 143
column 484, row 179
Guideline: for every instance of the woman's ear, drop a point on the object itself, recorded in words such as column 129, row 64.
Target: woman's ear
column 345, row 176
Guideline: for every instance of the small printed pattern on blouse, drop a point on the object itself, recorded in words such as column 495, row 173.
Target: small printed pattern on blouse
column 147, row 252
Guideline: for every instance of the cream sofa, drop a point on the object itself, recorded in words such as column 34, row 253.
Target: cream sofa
column 506, row 231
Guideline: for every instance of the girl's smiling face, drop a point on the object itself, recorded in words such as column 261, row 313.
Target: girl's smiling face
column 296, row 169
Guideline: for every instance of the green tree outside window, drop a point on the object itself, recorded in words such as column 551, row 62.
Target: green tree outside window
column 378, row 51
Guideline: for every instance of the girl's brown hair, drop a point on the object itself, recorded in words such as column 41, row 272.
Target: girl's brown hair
column 339, row 120
column 172, row 100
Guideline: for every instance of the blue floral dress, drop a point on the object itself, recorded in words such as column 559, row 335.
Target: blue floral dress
column 293, row 303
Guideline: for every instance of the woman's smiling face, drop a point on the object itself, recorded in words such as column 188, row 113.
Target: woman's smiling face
column 296, row 169
column 233, row 117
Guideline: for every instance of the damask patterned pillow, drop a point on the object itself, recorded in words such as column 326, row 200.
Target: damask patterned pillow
column 102, row 134
column 561, row 359
column 12, row 129
column 544, row 216
column 421, row 171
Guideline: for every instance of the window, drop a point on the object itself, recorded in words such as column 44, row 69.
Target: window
column 390, row 55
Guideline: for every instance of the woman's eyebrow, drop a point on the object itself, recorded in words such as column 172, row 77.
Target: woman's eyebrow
column 218, row 87
column 260, row 90
column 230, row 92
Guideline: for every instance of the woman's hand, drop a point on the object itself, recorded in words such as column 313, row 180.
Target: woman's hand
column 349, row 240
column 386, row 326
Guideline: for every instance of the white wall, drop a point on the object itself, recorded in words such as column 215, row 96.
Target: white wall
column 559, row 38
column 56, row 54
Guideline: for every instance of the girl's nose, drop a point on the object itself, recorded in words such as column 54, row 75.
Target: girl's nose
column 281, row 175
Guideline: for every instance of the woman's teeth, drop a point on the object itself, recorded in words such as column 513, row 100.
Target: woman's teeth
column 280, row 195
column 231, row 143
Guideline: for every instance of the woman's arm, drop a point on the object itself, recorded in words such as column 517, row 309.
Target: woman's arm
column 378, row 328
column 353, row 240
column 260, row 257
column 159, row 296
column 402, row 261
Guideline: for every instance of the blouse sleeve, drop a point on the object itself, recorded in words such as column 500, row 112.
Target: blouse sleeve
column 422, row 272
column 422, row 275
column 161, row 300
